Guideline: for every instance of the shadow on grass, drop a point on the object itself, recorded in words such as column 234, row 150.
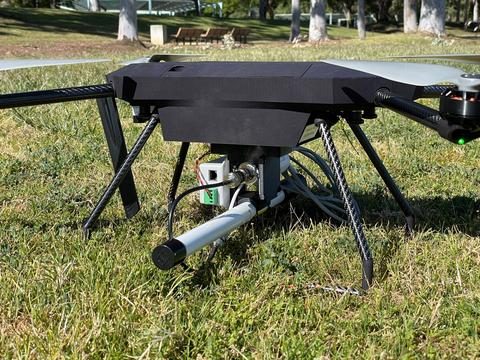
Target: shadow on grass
column 385, row 28
column 458, row 214
column 65, row 22
column 465, row 37
column 102, row 24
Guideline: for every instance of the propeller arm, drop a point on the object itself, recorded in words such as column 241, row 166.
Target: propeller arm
column 424, row 115
column 434, row 91
column 55, row 96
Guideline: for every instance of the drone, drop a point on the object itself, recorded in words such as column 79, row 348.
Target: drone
column 254, row 116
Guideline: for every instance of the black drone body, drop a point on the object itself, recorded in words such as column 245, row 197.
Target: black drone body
column 255, row 114
column 247, row 103
column 304, row 86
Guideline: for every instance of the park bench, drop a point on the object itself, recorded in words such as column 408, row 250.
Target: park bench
column 240, row 34
column 214, row 34
column 187, row 34
column 369, row 20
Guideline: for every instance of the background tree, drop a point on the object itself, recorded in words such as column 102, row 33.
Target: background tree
column 238, row 7
column 458, row 6
column 295, row 27
column 94, row 5
column 475, row 11
column 432, row 17
column 410, row 23
column 127, row 21
column 197, row 7
column 270, row 8
column 317, row 30
column 466, row 12
column 347, row 11
column 383, row 10
column 262, row 10
column 361, row 20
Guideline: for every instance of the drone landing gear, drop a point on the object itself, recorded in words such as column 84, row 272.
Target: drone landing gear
column 121, row 174
column 118, row 152
column 349, row 205
column 177, row 173
column 385, row 175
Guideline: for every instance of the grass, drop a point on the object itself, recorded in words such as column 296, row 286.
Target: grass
column 65, row 297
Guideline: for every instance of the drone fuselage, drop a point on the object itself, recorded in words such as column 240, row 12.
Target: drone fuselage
column 248, row 103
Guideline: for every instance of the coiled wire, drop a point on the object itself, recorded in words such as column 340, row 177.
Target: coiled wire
column 327, row 199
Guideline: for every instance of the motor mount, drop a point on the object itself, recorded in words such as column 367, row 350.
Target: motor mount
column 462, row 108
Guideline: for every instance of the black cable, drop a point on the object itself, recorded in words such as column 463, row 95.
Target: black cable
column 174, row 204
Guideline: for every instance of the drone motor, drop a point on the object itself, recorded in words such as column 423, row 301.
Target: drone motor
column 461, row 108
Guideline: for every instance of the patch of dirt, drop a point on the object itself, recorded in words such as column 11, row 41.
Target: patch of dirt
column 68, row 48
column 19, row 326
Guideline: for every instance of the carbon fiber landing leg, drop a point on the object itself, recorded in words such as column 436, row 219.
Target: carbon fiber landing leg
column 120, row 175
column 349, row 205
column 118, row 152
column 182, row 155
column 387, row 179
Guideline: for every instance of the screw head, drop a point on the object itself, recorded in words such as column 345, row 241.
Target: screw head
column 470, row 76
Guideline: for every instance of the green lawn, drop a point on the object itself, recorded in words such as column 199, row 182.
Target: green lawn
column 79, row 26
column 64, row 297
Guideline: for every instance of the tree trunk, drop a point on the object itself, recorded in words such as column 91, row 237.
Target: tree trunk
column 348, row 16
column 467, row 12
column 270, row 11
column 94, row 5
column 127, row 21
column 262, row 10
column 383, row 7
column 361, row 20
column 317, row 30
column 458, row 5
column 197, row 7
column 475, row 11
column 410, row 16
column 346, row 13
column 295, row 27
column 432, row 17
